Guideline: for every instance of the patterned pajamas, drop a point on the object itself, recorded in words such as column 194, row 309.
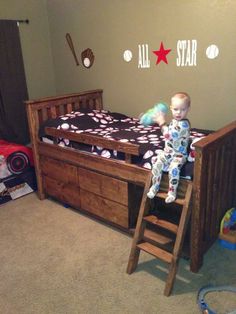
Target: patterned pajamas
column 172, row 158
column 172, row 164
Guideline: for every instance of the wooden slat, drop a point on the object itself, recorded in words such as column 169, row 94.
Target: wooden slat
column 156, row 237
column 164, row 187
column 215, row 228
column 209, row 196
column 156, row 251
column 53, row 112
column 45, row 115
column 161, row 223
column 227, row 193
column 91, row 103
column 127, row 148
column 197, row 220
column 213, row 189
column 58, row 110
column 216, row 138
column 69, row 98
column 69, row 108
column 163, row 195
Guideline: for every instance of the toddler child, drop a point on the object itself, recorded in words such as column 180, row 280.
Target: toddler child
column 174, row 154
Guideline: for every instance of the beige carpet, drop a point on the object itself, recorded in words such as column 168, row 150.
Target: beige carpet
column 56, row 260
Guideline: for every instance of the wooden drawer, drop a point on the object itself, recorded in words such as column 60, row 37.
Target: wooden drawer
column 58, row 170
column 107, row 209
column 65, row 192
column 109, row 188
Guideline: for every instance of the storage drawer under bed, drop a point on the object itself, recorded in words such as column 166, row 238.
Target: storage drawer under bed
column 104, row 196
column 67, row 193
column 101, row 195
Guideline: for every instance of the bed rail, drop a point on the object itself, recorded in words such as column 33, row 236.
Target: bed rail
column 214, row 186
column 128, row 148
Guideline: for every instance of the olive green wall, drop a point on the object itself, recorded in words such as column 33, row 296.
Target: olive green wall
column 35, row 43
column 109, row 27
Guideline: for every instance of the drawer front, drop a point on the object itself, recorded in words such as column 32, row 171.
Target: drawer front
column 58, row 170
column 107, row 187
column 107, row 209
column 65, row 192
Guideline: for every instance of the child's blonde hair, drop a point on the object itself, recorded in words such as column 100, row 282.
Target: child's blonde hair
column 182, row 95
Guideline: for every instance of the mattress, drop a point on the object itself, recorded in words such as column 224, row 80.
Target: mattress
column 117, row 127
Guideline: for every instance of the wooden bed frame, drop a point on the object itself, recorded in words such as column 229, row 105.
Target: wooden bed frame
column 111, row 190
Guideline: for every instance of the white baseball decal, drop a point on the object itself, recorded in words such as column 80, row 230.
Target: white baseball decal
column 127, row 55
column 212, row 51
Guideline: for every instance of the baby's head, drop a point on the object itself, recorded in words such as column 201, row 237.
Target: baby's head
column 180, row 104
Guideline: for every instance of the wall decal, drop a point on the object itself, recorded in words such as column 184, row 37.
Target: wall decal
column 212, row 51
column 186, row 53
column 127, row 55
column 87, row 57
column 143, row 59
column 161, row 54
column 70, row 43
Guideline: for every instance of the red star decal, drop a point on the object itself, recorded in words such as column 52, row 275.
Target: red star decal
column 161, row 54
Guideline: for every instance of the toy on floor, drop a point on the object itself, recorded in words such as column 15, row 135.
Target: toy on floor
column 227, row 234
column 203, row 306
column 148, row 117
column 14, row 157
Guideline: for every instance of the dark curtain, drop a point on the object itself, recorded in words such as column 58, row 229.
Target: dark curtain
column 13, row 88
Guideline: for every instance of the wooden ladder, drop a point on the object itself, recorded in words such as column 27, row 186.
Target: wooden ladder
column 149, row 241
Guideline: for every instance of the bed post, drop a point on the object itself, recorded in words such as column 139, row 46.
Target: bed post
column 33, row 121
column 213, row 189
column 196, row 217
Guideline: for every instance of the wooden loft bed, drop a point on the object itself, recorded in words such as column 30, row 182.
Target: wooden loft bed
column 111, row 190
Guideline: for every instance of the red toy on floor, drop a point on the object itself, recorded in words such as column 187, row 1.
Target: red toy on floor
column 17, row 157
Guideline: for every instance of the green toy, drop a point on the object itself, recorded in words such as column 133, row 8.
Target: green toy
column 148, row 117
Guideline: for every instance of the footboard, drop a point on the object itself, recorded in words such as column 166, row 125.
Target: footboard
column 214, row 189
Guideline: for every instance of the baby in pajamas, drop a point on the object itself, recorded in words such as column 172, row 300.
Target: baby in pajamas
column 174, row 155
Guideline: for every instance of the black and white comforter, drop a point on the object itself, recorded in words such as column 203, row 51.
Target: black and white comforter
column 118, row 127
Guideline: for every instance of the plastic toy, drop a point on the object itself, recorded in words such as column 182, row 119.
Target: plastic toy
column 228, row 229
column 17, row 157
column 148, row 117
column 228, row 221
column 203, row 306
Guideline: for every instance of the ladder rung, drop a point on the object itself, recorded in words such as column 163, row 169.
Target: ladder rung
column 163, row 195
column 161, row 223
column 156, row 251
column 153, row 242
column 157, row 237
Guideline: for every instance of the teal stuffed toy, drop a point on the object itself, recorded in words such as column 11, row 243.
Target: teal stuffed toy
column 148, row 117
